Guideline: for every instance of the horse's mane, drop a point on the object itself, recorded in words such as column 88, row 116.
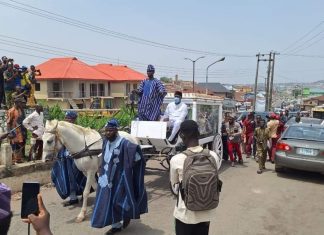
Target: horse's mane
column 82, row 130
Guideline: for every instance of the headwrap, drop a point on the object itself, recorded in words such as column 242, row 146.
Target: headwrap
column 24, row 68
column 178, row 93
column 5, row 197
column 16, row 66
column 150, row 68
column 113, row 123
column 71, row 115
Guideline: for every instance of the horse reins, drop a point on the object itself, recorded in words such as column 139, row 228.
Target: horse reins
column 83, row 153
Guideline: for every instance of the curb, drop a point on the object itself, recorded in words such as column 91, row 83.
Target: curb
column 32, row 171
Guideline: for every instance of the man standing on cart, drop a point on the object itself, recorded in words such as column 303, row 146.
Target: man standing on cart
column 151, row 93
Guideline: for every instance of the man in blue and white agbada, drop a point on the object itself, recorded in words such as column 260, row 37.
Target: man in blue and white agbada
column 69, row 181
column 175, row 113
column 121, row 194
column 151, row 93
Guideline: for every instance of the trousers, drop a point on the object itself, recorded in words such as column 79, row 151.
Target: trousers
column 191, row 229
column 232, row 145
column 175, row 125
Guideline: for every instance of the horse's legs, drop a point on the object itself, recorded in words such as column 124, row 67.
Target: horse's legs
column 86, row 192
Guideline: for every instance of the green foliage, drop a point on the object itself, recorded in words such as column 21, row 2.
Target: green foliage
column 124, row 117
column 166, row 79
column 55, row 112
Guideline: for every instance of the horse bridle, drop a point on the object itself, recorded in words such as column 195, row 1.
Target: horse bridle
column 83, row 153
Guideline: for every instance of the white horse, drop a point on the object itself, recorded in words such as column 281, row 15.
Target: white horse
column 75, row 138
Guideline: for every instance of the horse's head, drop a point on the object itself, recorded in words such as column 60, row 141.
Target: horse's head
column 51, row 144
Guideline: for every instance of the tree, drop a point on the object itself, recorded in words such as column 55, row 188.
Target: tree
column 166, row 79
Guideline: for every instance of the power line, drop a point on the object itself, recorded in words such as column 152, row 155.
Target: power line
column 24, row 44
column 304, row 36
column 301, row 55
column 297, row 49
column 76, row 23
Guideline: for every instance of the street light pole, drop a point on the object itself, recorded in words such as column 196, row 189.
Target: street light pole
column 193, row 71
column 222, row 59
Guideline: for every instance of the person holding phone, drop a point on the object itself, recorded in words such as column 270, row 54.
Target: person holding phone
column 40, row 222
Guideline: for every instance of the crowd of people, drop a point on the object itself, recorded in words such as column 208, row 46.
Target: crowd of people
column 121, row 194
column 253, row 136
column 17, row 88
column 16, row 81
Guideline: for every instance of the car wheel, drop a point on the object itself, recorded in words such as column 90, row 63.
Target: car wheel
column 279, row 169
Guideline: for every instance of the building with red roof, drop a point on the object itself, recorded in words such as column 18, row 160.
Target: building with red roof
column 76, row 83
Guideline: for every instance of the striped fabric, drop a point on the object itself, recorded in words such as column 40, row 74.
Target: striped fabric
column 149, row 105
column 66, row 176
column 123, row 196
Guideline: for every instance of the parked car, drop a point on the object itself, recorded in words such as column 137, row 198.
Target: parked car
column 301, row 147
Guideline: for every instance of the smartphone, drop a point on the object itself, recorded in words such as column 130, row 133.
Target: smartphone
column 29, row 202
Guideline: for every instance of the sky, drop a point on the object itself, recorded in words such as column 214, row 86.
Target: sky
column 237, row 30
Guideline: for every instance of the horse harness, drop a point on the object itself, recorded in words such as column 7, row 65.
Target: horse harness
column 86, row 152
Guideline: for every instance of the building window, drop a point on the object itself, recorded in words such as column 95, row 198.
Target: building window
column 134, row 86
column 82, row 90
column 37, row 86
column 128, row 87
column 101, row 89
column 109, row 89
column 57, row 89
column 93, row 89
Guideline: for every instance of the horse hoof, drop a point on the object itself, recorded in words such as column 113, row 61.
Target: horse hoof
column 79, row 219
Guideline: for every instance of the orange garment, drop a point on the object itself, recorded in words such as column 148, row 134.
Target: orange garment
column 273, row 126
column 13, row 115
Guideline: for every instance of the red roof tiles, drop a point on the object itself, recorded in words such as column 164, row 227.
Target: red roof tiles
column 71, row 68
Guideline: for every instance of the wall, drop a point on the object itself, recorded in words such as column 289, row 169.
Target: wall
column 42, row 94
column 118, row 89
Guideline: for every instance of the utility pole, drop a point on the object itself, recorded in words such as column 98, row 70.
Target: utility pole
column 268, row 83
column 271, row 83
column 256, row 80
column 256, row 77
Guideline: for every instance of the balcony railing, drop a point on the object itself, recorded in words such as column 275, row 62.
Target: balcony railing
column 60, row 94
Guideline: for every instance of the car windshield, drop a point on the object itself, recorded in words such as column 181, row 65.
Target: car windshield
column 315, row 133
column 305, row 120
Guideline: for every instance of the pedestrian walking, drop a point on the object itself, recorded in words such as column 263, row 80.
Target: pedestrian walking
column 261, row 136
column 192, row 217
column 151, row 93
column 249, row 126
column 234, row 132
column 121, row 194
column 273, row 125
column 69, row 181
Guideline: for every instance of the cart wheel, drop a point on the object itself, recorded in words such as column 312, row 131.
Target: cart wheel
column 218, row 147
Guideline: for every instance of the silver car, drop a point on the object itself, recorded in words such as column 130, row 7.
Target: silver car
column 301, row 147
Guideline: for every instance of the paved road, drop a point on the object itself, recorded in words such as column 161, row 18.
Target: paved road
column 290, row 203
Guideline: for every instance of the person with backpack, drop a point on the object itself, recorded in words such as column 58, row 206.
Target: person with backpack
column 194, row 173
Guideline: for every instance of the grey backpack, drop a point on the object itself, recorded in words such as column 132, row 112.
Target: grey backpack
column 200, row 186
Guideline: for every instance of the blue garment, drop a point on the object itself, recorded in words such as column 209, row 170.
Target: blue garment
column 147, row 87
column 121, row 192
column 66, row 176
column 150, row 103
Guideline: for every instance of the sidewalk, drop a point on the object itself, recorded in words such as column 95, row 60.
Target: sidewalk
column 28, row 171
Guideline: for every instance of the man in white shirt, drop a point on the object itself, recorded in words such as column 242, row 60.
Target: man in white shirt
column 189, row 222
column 175, row 114
column 35, row 123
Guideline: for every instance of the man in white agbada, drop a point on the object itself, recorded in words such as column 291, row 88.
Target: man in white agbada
column 175, row 114
column 35, row 123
